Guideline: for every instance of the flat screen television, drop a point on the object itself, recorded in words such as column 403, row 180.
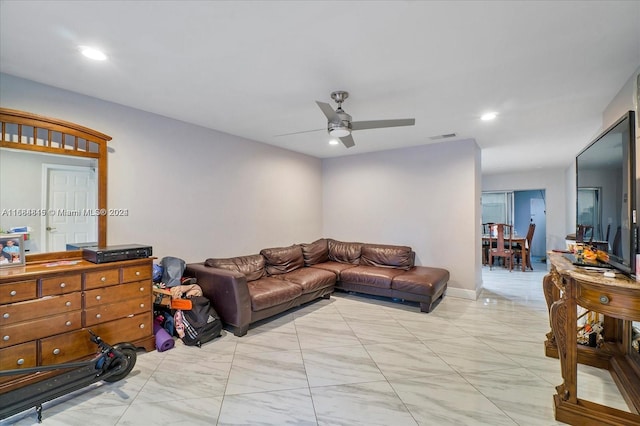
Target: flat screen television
column 606, row 192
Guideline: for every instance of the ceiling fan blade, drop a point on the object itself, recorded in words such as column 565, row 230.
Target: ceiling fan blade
column 328, row 111
column 297, row 133
column 348, row 141
column 377, row 124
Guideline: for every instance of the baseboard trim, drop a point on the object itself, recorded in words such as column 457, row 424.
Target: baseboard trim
column 462, row 293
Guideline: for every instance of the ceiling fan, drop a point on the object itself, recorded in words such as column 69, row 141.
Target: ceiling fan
column 340, row 125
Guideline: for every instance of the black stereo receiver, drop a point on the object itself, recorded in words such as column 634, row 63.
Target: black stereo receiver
column 106, row 254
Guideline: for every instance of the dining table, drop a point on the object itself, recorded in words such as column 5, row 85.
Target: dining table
column 515, row 239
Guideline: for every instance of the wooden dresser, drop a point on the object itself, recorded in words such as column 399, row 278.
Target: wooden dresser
column 46, row 307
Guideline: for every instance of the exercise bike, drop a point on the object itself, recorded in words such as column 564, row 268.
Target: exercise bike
column 110, row 364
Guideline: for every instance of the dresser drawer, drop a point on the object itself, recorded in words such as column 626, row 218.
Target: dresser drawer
column 67, row 347
column 18, row 356
column 136, row 273
column 61, row 285
column 36, row 329
column 101, row 278
column 127, row 329
column 116, row 293
column 37, row 308
column 18, row 291
column 104, row 313
column 77, row 344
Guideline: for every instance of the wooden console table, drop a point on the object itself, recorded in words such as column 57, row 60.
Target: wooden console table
column 566, row 287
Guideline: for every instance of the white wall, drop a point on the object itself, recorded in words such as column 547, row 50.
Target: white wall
column 191, row 192
column 425, row 197
column 571, row 198
column 553, row 182
column 625, row 100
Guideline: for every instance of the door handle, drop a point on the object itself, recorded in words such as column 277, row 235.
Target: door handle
column 50, row 228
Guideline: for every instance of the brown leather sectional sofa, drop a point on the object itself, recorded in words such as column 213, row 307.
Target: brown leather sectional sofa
column 246, row 289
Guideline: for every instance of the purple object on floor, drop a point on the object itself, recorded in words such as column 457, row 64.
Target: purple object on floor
column 164, row 341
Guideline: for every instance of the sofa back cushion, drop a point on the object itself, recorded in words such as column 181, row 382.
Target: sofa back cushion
column 315, row 252
column 251, row 266
column 400, row 257
column 344, row 252
column 280, row 260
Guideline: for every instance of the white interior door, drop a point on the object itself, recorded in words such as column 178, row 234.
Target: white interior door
column 71, row 206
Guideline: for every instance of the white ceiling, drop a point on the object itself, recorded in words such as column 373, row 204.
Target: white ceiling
column 254, row 69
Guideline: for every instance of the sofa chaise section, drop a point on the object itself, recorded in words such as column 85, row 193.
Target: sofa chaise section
column 382, row 270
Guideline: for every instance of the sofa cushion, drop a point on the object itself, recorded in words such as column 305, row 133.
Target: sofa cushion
column 251, row 266
column 280, row 260
column 421, row 280
column 310, row 279
column 372, row 276
column 267, row 292
column 335, row 267
column 386, row 256
column 344, row 252
column 315, row 252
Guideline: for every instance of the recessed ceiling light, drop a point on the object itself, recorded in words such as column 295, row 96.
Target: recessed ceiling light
column 488, row 116
column 333, row 142
column 93, row 53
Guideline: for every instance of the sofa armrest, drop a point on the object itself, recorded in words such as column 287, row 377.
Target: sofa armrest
column 228, row 293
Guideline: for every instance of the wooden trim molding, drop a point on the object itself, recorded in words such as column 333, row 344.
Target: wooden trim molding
column 36, row 133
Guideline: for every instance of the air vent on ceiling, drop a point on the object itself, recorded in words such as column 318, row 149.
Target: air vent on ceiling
column 445, row 136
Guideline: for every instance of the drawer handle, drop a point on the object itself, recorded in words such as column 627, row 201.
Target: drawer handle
column 63, row 285
column 68, row 323
column 13, row 293
column 20, row 361
column 5, row 316
column 142, row 305
column 67, row 304
column 103, row 279
column 604, row 300
column 98, row 297
column 56, row 351
column 98, row 316
column 137, row 273
column 5, row 338
column 141, row 288
column 141, row 325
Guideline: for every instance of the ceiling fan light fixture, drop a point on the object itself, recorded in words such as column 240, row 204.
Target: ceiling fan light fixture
column 489, row 116
column 93, row 53
column 339, row 132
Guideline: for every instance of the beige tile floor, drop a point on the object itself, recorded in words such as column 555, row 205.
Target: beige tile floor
column 353, row 360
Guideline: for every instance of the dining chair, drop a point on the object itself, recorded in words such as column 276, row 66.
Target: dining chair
column 523, row 253
column 582, row 232
column 503, row 244
column 486, row 230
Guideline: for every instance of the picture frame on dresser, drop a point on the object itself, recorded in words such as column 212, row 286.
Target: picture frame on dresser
column 11, row 250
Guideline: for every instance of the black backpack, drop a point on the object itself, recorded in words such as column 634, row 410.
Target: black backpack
column 201, row 323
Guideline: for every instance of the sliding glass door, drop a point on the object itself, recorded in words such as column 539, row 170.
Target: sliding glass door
column 497, row 207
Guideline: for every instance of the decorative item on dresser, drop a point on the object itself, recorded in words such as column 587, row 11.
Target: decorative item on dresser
column 47, row 306
column 11, row 250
